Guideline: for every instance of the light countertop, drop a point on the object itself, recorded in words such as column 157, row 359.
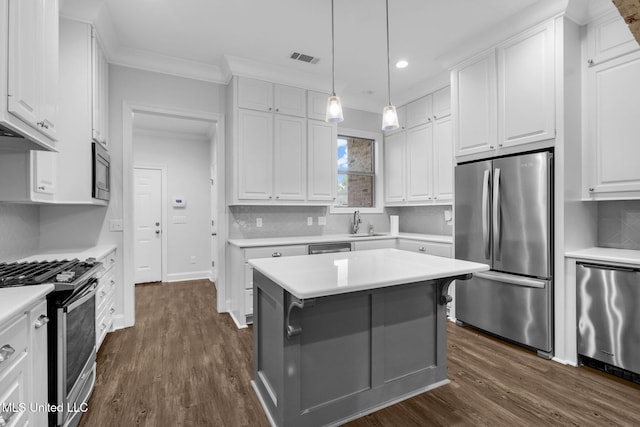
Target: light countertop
column 303, row 240
column 80, row 253
column 622, row 256
column 16, row 300
column 311, row 276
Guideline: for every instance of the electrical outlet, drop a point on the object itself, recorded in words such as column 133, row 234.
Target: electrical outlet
column 322, row 220
column 258, row 222
column 309, row 220
column 193, row 259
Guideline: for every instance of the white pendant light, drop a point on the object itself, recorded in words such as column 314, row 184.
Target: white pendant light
column 389, row 114
column 334, row 107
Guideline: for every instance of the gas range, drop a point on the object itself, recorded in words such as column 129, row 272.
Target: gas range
column 65, row 275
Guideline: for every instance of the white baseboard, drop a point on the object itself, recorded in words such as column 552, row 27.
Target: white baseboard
column 239, row 325
column 193, row 275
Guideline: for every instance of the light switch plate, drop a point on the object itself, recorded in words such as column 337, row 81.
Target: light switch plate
column 115, row 225
column 258, row 222
column 309, row 220
column 322, row 220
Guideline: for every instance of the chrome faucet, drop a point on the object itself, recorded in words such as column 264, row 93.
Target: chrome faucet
column 356, row 222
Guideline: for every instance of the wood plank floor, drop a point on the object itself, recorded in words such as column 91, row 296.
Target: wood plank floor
column 185, row 365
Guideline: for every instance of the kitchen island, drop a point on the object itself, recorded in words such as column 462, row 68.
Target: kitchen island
column 340, row 335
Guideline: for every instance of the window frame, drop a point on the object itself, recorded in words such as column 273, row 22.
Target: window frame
column 378, row 182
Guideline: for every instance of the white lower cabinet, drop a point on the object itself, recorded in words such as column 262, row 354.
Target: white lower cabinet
column 105, row 301
column 242, row 276
column 23, row 367
column 425, row 247
column 374, row 244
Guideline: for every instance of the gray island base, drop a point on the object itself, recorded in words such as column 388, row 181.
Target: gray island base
column 330, row 359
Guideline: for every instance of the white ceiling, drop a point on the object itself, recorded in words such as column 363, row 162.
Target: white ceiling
column 208, row 39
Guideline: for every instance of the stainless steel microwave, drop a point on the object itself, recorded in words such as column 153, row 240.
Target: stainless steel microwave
column 101, row 182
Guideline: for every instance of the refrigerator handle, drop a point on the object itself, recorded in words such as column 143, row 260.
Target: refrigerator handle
column 496, row 214
column 485, row 214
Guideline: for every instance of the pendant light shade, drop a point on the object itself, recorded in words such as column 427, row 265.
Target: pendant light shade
column 389, row 114
column 389, row 118
column 334, row 107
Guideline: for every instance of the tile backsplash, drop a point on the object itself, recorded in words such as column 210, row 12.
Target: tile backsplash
column 423, row 219
column 619, row 224
column 19, row 231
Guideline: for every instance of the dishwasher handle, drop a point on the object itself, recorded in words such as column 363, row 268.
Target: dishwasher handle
column 609, row 267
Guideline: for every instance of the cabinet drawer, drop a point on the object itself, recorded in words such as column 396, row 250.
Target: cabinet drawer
column 13, row 342
column 106, row 286
column 374, row 244
column 13, row 393
column 104, row 322
column 248, row 302
column 429, row 248
column 275, row 251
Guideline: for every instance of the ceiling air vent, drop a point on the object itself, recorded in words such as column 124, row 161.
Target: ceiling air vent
column 304, row 58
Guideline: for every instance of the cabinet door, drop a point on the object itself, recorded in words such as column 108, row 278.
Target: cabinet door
column 290, row 158
column 255, row 94
column 25, row 59
column 419, row 163
column 443, row 160
column 613, row 105
column 317, row 105
column 609, row 37
column 526, row 88
column 44, row 172
column 99, row 90
column 48, row 114
column 290, row 100
column 474, row 105
column 255, row 155
column 394, row 168
column 442, row 103
column 38, row 350
column 424, row 247
column 420, row 111
column 322, row 161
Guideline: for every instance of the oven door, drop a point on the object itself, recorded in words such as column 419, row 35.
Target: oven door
column 76, row 318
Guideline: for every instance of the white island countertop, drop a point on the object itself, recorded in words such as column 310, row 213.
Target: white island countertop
column 312, row 276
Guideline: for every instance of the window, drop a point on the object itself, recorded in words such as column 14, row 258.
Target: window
column 356, row 172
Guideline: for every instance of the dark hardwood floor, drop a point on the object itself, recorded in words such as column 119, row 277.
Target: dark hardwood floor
column 185, row 365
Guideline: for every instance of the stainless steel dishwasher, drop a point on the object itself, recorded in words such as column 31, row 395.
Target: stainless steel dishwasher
column 325, row 248
column 609, row 318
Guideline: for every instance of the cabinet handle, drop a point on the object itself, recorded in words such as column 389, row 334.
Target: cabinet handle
column 276, row 254
column 6, row 351
column 40, row 187
column 277, row 197
column 270, row 109
column 112, row 310
column 277, row 110
column 500, row 145
column 103, row 327
column 43, row 125
column 435, row 198
column 590, row 62
column 41, row 321
column 103, row 293
column 112, row 282
column 491, row 147
column 591, row 189
column 422, row 249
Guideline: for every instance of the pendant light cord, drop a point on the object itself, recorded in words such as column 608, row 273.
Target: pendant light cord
column 388, row 57
column 333, row 56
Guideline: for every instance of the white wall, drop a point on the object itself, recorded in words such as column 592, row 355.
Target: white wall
column 19, row 225
column 186, row 160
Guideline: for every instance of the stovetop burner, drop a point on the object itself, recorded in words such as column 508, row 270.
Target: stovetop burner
column 64, row 274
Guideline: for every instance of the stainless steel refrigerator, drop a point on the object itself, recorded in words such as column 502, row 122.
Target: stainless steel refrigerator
column 504, row 218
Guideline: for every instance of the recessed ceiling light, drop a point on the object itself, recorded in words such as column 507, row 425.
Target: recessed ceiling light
column 402, row 64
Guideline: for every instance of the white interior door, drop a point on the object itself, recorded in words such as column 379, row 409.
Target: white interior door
column 147, row 224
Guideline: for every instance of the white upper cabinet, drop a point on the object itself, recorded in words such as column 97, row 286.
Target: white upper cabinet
column 506, row 96
column 474, row 96
column 526, row 87
column 612, row 150
column 419, row 163
column 255, row 155
column 266, row 96
column 394, row 168
column 29, row 69
column 443, row 159
column 322, row 159
column 290, row 158
column 442, row 103
column 420, row 111
column 609, row 37
column 317, row 105
column 100, row 91
column 32, row 174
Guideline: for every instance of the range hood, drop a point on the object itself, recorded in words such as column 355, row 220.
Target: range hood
column 12, row 140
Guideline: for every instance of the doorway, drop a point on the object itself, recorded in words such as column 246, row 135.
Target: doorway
column 148, row 225
column 160, row 121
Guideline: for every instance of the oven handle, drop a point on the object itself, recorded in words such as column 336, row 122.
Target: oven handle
column 89, row 293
